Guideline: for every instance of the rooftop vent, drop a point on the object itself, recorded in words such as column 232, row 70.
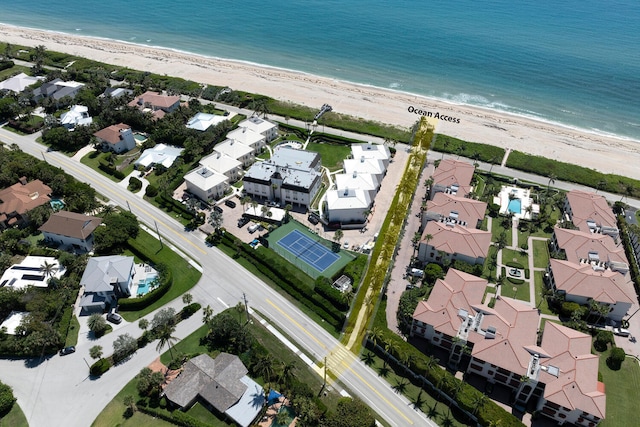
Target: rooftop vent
column 490, row 332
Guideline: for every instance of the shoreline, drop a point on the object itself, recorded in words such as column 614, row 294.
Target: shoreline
column 603, row 152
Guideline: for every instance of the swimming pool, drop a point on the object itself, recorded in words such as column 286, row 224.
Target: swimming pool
column 291, row 414
column 56, row 204
column 515, row 206
column 139, row 137
column 144, row 285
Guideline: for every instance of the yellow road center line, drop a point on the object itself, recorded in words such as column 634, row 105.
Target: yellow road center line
column 296, row 323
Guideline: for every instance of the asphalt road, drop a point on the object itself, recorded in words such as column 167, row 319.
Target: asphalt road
column 56, row 391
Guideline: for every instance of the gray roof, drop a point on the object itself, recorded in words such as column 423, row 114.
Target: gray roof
column 296, row 168
column 103, row 272
column 217, row 381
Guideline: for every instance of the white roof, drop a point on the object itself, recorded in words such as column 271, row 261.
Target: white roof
column 277, row 214
column 160, row 154
column 202, row 121
column 233, row 148
column 257, row 124
column 13, row 321
column 348, row 198
column 250, row 404
column 246, row 136
column 364, row 181
column 78, row 115
column 220, row 162
column 205, row 178
column 29, row 273
column 19, row 82
column 370, row 151
column 364, row 165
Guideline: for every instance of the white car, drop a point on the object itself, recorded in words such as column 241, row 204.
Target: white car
column 621, row 332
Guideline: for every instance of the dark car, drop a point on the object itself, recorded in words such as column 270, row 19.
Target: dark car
column 313, row 219
column 243, row 221
column 217, row 209
column 67, row 350
column 114, row 317
column 230, row 203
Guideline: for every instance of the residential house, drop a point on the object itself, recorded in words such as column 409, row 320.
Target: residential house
column 581, row 283
column 116, row 138
column 156, row 103
column 116, row 92
column 499, row 343
column 348, row 206
column 78, row 115
column 203, row 121
column 237, row 150
column 460, row 210
column 19, row 82
column 363, row 165
column 221, row 385
column 160, row 154
column 291, row 176
column 596, row 249
column 262, row 126
column 248, row 137
column 16, row 201
column 70, row 229
column 452, row 177
column 447, row 240
column 372, row 151
column 105, row 279
column 223, row 164
column 31, row 271
column 57, row 89
column 363, row 181
column 206, row 184
column 590, row 213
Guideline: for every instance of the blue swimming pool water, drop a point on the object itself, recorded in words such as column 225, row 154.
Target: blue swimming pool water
column 56, row 204
column 143, row 285
column 515, row 206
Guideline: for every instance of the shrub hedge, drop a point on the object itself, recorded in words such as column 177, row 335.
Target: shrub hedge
column 169, row 202
column 65, row 321
column 473, row 150
column 7, row 399
column 100, row 367
column 108, row 169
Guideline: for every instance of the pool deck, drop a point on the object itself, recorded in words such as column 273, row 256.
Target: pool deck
column 272, row 411
column 142, row 272
column 523, row 194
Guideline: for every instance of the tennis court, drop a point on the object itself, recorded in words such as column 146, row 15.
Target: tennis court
column 308, row 250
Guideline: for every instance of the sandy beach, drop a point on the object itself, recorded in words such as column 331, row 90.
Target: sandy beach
column 604, row 153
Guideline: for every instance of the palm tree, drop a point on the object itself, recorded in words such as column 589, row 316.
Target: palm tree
column 447, row 421
column 376, row 336
column 368, row 358
column 95, row 352
column 479, row 400
column 384, row 370
column 401, row 386
column 600, row 185
column 48, row 269
column 287, row 371
column 287, row 208
column 215, row 220
column 283, row 417
column 432, row 413
column 130, row 402
column 552, row 180
column 166, row 338
column 492, row 162
column 337, row 236
column 264, row 367
column 244, row 201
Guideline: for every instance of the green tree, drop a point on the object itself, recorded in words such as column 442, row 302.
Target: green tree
column 130, row 402
column 95, row 352
column 164, row 317
column 165, row 338
column 350, row 413
column 226, row 333
column 6, row 399
column 97, row 324
column 124, row 346
column 38, row 56
column 187, row 298
column 143, row 324
column 117, row 230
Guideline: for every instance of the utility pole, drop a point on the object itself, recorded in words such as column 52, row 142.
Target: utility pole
column 246, row 305
column 129, row 207
column 324, row 382
column 158, row 233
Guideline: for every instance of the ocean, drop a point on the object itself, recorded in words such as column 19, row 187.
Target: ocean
column 574, row 62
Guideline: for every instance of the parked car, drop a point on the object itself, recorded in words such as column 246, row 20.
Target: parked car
column 230, row 203
column 621, row 332
column 243, row 221
column 67, row 350
column 218, row 209
column 253, row 228
column 114, row 317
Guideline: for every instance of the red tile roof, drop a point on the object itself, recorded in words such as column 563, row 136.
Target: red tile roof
column 457, row 239
column 450, row 172
column 578, row 244
column 590, row 206
column 20, row 198
column 469, row 210
column 156, row 100
column 111, row 134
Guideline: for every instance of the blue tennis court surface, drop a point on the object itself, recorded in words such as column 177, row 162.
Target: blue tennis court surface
column 307, row 249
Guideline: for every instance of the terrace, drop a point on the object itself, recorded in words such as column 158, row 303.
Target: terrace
column 517, row 201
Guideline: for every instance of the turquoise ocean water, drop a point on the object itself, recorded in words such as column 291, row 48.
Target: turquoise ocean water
column 575, row 62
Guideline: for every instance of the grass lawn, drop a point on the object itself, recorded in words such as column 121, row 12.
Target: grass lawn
column 622, row 389
column 16, row 69
column 509, row 255
column 486, row 272
column 93, row 161
column 539, row 283
column 332, row 154
column 540, row 254
column 521, row 291
column 15, row 418
column 74, row 330
column 189, row 345
column 480, row 186
column 437, row 411
column 201, row 413
column 184, row 275
column 496, row 229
